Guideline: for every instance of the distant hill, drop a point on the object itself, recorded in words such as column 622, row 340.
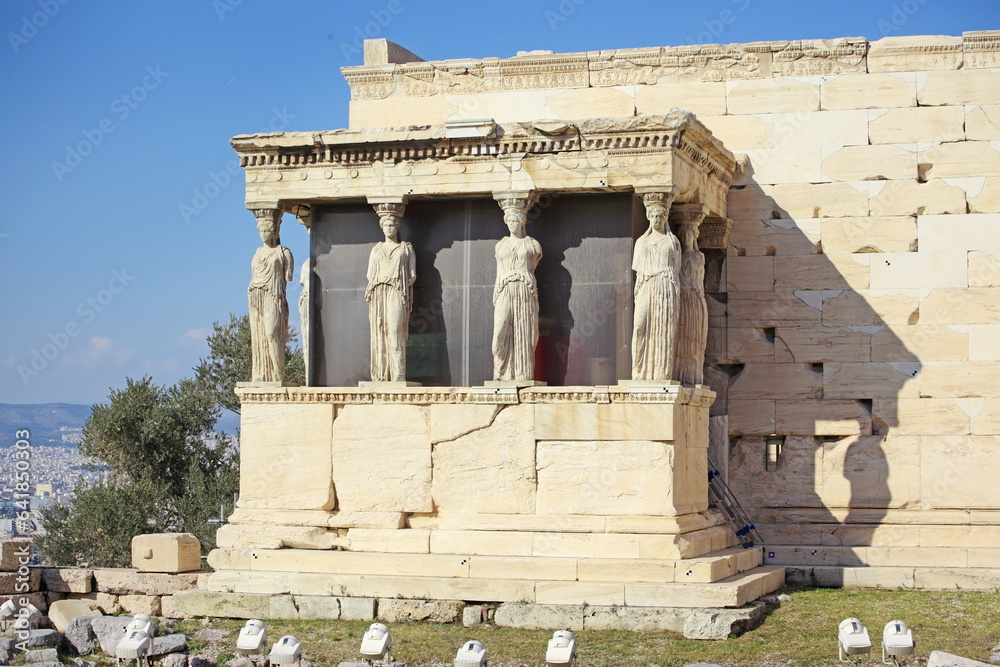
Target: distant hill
column 60, row 424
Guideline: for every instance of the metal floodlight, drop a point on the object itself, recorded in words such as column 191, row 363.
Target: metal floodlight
column 287, row 651
column 472, row 654
column 562, row 649
column 897, row 641
column 377, row 643
column 24, row 618
column 134, row 646
column 252, row 639
column 8, row 609
column 852, row 639
column 143, row 623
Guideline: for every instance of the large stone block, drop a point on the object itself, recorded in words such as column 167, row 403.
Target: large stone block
column 821, row 200
column 635, row 619
column 491, row 469
column 67, row 580
column 821, row 128
column 960, row 159
column 604, row 421
column 767, row 309
column 704, row 98
column 868, row 91
column 625, row 570
column 131, row 582
column 13, row 582
column 188, row 604
column 279, row 443
column 778, row 381
column 750, row 274
column 539, row 617
column 822, row 417
column 740, row 133
column 869, row 163
column 869, row 234
column 916, row 125
column 752, row 416
column 960, row 472
column 911, row 197
column 870, row 380
column 775, row 237
column 382, row 458
column 401, row 111
column 985, row 199
column 925, row 269
column 794, row 344
column 771, row 95
column 348, row 562
column 62, row 612
column 601, row 477
column 823, row 272
column 984, row 342
column 582, row 103
column 908, row 54
column 474, row 542
column 801, row 164
column 924, row 342
column 985, row 419
column 451, row 421
column 504, row 107
column 410, row 611
column 959, row 232
column 943, row 379
column 594, row 545
column 922, row 416
column 513, row 567
column 14, row 553
column 275, row 537
column 448, row 588
column 974, row 305
column 411, row 540
column 750, row 201
column 984, row 268
column 982, row 122
column 794, row 483
column 871, row 307
column 580, row 592
column 140, row 604
column 967, row 86
column 166, row 552
column 870, row 471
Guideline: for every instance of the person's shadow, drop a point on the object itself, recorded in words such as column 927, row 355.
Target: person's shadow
column 802, row 351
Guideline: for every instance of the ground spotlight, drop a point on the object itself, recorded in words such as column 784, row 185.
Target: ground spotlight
column 252, row 639
column 897, row 641
column 287, row 651
column 377, row 643
column 562, row 649
column 138, row 640
column 472, row 654
column 853, row 639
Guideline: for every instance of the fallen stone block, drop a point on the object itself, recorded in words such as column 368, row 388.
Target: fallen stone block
column 43, row 638
column 166, row 552
column 109, row 631
column 42, row 655
column 176, row 643
column 80, row 662
column 8, row 650
column 67, row 580
column 942, row 659
column 61, row 613
column 173, row 660
column 79, row 636
column 721, row 623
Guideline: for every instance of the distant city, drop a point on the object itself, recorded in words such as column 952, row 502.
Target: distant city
column 55, row 466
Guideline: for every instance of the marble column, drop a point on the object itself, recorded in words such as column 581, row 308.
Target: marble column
column 692, row 321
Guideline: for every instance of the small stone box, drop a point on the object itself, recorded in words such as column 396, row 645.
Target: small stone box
column 166, row 552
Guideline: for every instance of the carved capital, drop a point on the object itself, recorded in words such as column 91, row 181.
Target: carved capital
column 520, row 200
column 657, row 200
column 389, row 205
column 714, row 233
column 270, row 216
column 688, row 214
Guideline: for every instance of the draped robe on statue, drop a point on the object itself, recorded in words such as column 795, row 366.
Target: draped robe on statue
column 692, row 335
column 515, row 314
column 656, row 263
column 272, row 269
column 389, row 296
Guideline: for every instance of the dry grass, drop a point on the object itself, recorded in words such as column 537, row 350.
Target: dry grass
column 802, row 633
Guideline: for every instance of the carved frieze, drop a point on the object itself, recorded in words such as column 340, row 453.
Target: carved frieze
column 982, row 48
column 810, row 57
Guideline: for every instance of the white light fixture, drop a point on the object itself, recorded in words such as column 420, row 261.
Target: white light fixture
column 252, row 639
column 472, row 654
column 138, row 639
column 853, row 639
column 377, row 643
column 287, row 651
column 24, row 618
column 562, row 649
column 897, row 640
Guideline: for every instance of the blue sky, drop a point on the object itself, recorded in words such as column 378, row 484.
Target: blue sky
column 123, row 234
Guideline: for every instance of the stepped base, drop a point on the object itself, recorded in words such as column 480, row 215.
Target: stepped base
column 929, row 578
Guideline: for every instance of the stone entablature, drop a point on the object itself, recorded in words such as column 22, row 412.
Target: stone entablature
column 671, row 153
column 697, row 62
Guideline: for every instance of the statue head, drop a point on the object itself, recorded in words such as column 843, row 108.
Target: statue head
column 516, row 219
column 390, row 225
column 268, row 224
column 657, row 209
column 689, row 235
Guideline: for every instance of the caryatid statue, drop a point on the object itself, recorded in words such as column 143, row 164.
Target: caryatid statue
column 391, row 272
column 515, row 295
column 692, row 325
column 272, row 268
column 656, row 262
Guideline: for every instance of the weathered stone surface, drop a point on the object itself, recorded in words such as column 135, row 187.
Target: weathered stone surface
column 166, row 552
column 9, row 581
column 14, row 553
column 906, row 54
column 62, row 612
column 960, row 159
column 635, row 619
column 276, row 444
column 500, row 458
column 539, row 617
column 80, row 635
column 43, row 638
column 283, row 607
column 275, row 537
column 911, row 197
column 801, row 164
column 140, row 604
column 982, row 122
column 868, row 91
column 131, row 582
column 821, row 128
column 66, row 580
column 80, row 662
column 628, row 477
column 942, row 659
column 721, row 623
column 316, row 606
column 771, row 95
column 927, row 342
column 884, row 234
column 176, row 643
column 869, row 163
column 108, row 603
column 704, row 99
column 186, row 604
column 110, row 630
column 869, row 471
column 407, row 611
column 741, row 133
column 453, row 421
column 916, row 125
column 807, row 198
column 946, row 88
column 959, row 471
column 905, row 270
column 175, row 660
column 382, row 458
column 45, row 655
column 7, row 650
column 362, row 609
column 410, row 540
column 951, row 306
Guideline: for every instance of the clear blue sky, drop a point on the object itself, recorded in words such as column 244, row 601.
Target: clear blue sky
column 98, row 260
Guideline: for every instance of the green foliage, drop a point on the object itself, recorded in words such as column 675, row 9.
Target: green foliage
column 229, row 361
column 101, row 520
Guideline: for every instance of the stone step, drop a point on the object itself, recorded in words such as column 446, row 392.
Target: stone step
column 704, row 569
column 868, row 534
column 882, row 556
column 932, row 578
column 733, row 591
